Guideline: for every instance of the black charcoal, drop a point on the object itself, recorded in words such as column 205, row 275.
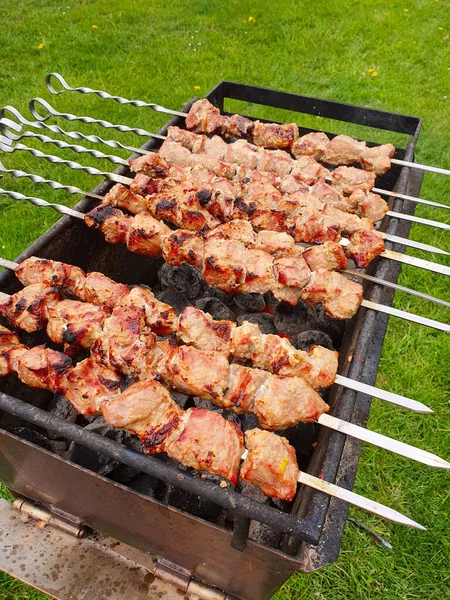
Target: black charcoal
column 332, row 327
column 185, row 279
column 175, row 299
column 313, row 337
column 291, row 320
column 263, row 320
column 217, row 309
column 250, row 302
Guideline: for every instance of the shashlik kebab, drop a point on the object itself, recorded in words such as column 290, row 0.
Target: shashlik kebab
column 160, row 317
column 7, row 124
column 278, row 135
column 256, row 271
column 123, row 343
column 197, row 438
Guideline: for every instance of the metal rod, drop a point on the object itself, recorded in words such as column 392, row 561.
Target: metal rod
column 420, row 220
column 366, row 303
column 373, row 391
column 376, row 190
column 428, row 265
column 159, row 108
column 382, row 441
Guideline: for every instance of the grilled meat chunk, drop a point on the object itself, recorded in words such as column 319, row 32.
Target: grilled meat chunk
column 273, row 135
column 203, row 117
column 199, row 329
column 291, row 271
column 10, row 351
column 122, row 197
column 377, row 159
column 43, row 368
column 192, row 141
column 370, row 206
column 347, row 222
column 8, row 338
column 99, row 289
column 340, row 297
column 146, row 409
column 364, row 247
column 350, row 179
column 28, row 308
column 88, row 385
column 151, row 164
column 208, row 442
column 112, row 222
column 194, row 372
column 159, row 316
column 329, row 255
column 146, row 235
column 308, row 171
column 238, row 127
column 75, row 324
column 270, row 464
column 51, row 273
column 260, row 274
column 224, row 264
column 183, row 247
column 243, row 387
column 311, row 144
column 343, row 150
column 312, row 227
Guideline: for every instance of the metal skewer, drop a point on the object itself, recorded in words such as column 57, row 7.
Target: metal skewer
column 142, row 132
column 5, row 145
column 357, row 386
column 383, row 441
column 159, row 108
column 366, row 303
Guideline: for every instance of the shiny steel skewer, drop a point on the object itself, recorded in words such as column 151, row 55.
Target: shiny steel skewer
column 159, row 108
column 366, row 303
column 51, row 112
column 5, row 145
column 75, row 190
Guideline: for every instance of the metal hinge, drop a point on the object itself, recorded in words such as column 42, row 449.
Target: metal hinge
column 46, row 518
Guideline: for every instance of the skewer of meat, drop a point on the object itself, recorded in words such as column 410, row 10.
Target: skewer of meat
column 125, row 345
column 198, row 438
column 276, row 135
column 102, row 290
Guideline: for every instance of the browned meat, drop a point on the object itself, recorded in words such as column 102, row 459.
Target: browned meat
column 349, row 179
column 327, row 194
column 208, row 442
column 270, row 464
column 88, row 385
column 122, row 197
column 126, row 344
column 28, row 308
column 364, row 247
column 329, row 255
column 308, row 170
column 146, row 409
column 377, row 159
column 146, row 235
column 192, row 141
column 237, row 230
column 277, row 161
column 112, row 222
column 343, row 150
column 311, row 144
column 290, row 184
column 159, row 316
column 99, row 289
column 340, row 297
column 8, row 338
column 243, row 386
column 296, row 401
column 241, row 153
column 238, row 127
column 203, row 117
column 183, row 247
column 260, row 274
column 75, row 324
column 347, row 222
column 310, row 226
column 194, row 372
column 291, row 271
column 43, row 368
column 182, row 209
column 371, row 206
column 200, row 330
column 224, row 264
column 273, row 135
column 173, row 154
column 152, row 164
column 274, row 242
column 9, row 358
column 50, row 272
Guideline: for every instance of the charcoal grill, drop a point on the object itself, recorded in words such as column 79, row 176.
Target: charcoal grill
column 220, row 537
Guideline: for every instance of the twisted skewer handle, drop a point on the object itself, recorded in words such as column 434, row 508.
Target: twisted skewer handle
column 51, row 112
column 105, row 95
column 39, row 202
column 71, row 189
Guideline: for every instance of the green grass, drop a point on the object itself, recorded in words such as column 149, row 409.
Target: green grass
column 161, row 51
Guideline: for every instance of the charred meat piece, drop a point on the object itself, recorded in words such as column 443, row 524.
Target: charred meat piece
column 173, row 154
column 340, row 297
column 273, row 242
column 75, row 324
column 208, row 442
column 112, row 222
column 28, row 308
column 43, row 368
column 192, row 141
column 224, row 264
column 349, row 179
column 51, row 273
column 260, row 274
column 347, row 222
column 370, row 206
column 146, row 235
column 151, row 164
column 364, row 247
column 270, row 464
column 122, row 197
column 377, row 159
column 238, row 230
column 329, row 255
column 146, row 409
column 159, row 316
column 276, row 161
column 273, row 135
column 183, row 247
column 291, row 271
column 308, row 171
column 343, row 150
column 99, row 289
column 312, row 227
column 200, row 330
column 195, row 372
column 311, row 144
column 88, row 385
column 238, row 127
column 296, row 401
column 9, row 358
column 244, row 384
column 203, row 117
column 8, row 338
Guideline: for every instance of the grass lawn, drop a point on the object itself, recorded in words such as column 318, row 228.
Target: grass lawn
column 388, row 55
